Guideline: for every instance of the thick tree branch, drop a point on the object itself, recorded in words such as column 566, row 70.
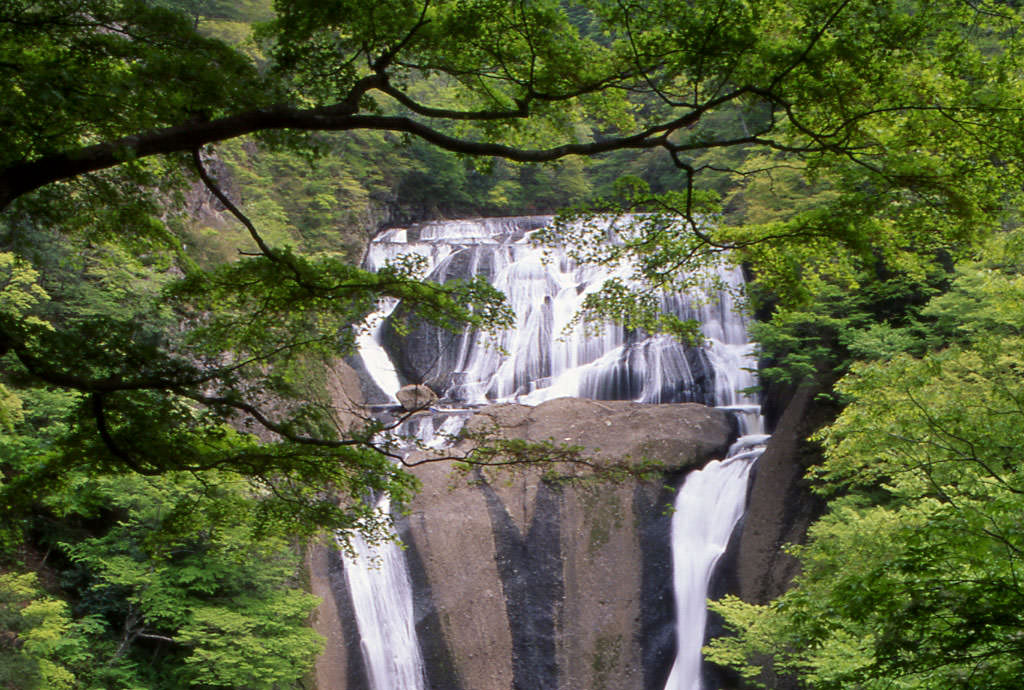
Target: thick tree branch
column 99, row 414
column 28, row 176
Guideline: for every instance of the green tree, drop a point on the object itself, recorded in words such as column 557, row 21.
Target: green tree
column 184, row 584
column 912, row 578
column 126, row 361
column 34, row 631
column 900, row 114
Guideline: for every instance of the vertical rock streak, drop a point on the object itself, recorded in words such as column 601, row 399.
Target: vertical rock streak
column 533, row 587
column 546, row 356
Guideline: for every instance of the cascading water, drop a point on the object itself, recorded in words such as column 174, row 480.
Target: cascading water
column 382, row 598
column 381, row 591
column 707, row 508
column 546, row 356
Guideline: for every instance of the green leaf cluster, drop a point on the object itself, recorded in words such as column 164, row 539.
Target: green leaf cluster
column 177, row 582
column 37, row 636
column 911, row 580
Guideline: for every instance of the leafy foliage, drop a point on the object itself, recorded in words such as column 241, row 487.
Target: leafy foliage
column 911, row 579
column 157, row 370
column 184, row 570
column 34, row 629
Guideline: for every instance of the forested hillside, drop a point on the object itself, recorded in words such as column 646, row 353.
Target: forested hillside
column 186, row 188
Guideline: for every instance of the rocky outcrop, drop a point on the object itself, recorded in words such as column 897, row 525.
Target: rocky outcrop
column 520, row 583
column 345, row 391
column 678, row 435
column 421, row 352
column 780, row 506
column 534, row 585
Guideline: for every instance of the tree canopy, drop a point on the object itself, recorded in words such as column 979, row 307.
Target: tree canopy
column 902, row 115
column 846, row 151
column 912, row 578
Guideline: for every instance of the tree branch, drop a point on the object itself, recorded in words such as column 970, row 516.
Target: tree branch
column 230, row 206
column 21, row 178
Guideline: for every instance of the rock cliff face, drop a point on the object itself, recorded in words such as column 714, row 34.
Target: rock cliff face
column 780, row 508
column 521, row 584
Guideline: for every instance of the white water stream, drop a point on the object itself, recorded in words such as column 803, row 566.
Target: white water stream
column 543, row 358
column 382, row 598
column 707, row 508
column 712, row 499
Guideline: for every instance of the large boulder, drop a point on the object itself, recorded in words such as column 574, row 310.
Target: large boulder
column 415, row 397
column 422, row 351
column 524, row 584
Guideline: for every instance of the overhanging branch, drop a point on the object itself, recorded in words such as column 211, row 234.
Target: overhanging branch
column 21, row 178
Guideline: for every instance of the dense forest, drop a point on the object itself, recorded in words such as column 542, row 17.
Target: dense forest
column 186, row 189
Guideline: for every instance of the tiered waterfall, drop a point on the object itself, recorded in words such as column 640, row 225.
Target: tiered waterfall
column 545, row 356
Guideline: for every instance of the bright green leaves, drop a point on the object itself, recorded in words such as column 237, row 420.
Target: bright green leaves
column 985, row 296
column 863, row 141
column 182, row 569
column 691, row 54
column 20, row 291
column 74, row 73
column 10, row 409
column 868, row 315
column 504, row 60
column 948, row 420
column 521, row 49
column 254, row 643
column 21, row 296
column 35, row 631
column 910, row 580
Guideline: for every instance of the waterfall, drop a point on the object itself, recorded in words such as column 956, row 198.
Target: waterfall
column 707, row 508
column 712, row 499
column 547, row 355
column 381, row 591
column 382, row 598
column 378, row 364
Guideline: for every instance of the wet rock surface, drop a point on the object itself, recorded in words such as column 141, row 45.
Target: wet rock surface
column 678, row 435
column 780, row 508
column 540, row 586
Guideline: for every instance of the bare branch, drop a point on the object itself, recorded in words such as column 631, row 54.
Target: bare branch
column 227, row 203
